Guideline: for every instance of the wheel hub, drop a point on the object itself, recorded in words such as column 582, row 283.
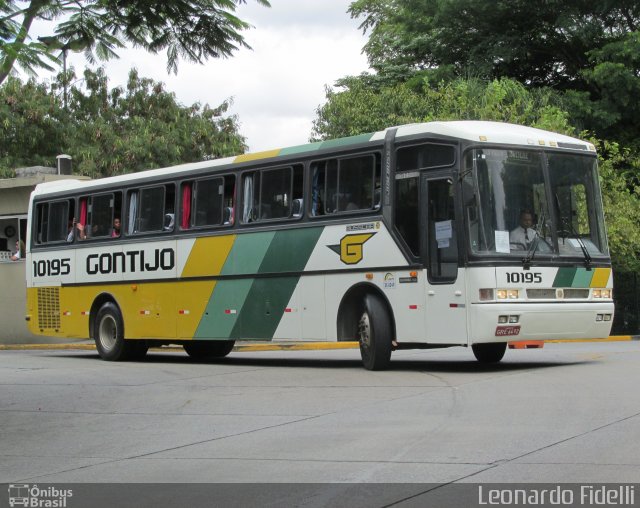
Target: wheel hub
column 364, row 330
column 108, row 333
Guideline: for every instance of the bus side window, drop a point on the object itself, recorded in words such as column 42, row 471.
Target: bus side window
column 251, row 197
column 345, row 185
column 151, row 209
column 358, row 178
column 407, row 211
column 208, row 202
column 276, row 192
column 42, row 221
column 321, row 173
column 101, row 216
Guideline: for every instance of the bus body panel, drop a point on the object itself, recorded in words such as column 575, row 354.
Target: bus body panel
column 286, row 279
column 446, row 315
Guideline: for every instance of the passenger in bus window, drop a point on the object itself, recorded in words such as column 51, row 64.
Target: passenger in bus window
column 73, row 226
column 169, row 220
column 115, row 232
column 71, row 229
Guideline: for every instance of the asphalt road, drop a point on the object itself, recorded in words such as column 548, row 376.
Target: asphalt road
column 565, row 413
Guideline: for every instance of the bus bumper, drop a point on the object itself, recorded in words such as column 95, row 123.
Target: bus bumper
column 512, row 322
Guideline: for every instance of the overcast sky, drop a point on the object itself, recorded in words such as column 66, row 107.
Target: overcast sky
column 298, row 48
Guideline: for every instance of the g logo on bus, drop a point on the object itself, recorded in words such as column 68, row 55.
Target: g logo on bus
column 351, row 248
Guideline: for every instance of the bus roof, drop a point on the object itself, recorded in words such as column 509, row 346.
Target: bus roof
column 474, row 131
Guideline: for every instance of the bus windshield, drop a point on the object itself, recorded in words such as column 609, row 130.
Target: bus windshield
column 533, row 203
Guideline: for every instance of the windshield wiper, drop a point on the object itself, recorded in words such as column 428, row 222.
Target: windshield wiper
column 567, row 226
column 526, row 261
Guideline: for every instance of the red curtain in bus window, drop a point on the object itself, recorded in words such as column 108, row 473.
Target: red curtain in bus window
column 83, row 211
column 185, row 219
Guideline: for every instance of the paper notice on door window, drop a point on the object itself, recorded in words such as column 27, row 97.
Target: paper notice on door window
column 502, row 241
column 444, row 231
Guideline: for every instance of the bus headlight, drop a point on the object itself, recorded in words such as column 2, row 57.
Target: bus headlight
column 602, row 293
column 508, row 294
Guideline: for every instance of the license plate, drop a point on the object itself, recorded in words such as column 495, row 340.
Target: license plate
column 504, row 331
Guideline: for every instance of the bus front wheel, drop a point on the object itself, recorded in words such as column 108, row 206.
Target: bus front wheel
column 374, row 334
column 208, row 348
column 108, row 333
column 491, row 352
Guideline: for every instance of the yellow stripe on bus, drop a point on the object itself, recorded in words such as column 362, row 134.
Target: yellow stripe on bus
column 600, row 277
column 208, row 256
column 256, row 156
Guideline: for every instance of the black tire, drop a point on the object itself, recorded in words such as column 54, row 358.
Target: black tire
column 208, row 348
column 491, row 352
column 375, row 334
column 108, row 333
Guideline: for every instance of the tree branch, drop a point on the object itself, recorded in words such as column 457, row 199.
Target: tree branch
column 30, row 14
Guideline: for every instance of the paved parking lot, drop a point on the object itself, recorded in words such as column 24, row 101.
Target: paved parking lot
column 565, row 413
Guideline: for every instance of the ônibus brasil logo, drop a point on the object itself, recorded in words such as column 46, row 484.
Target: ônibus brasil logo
column 38, row 497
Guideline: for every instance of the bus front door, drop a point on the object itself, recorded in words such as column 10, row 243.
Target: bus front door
column 446, row 313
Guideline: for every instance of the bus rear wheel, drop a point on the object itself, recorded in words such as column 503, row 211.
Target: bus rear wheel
column 491, row 352
column 108, row 333
column 374, row 334
column 208, row 348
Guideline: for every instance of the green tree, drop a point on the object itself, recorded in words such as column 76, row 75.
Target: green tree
column 588, row 49
column 31, row 132
column 541, row 43
column 192, row 29
column 621, row 204
column 110, row 131
column 362, row 107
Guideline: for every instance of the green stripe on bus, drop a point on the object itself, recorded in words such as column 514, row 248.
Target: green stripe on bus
column 293, row 150
column 247, row 253
column 222, row 311
column 264, row 307
column 266, row 302
column 252, row 308
column 582, row 278
column 564, row 277
column 289, row 250
column 221, row 314
column 337, row 143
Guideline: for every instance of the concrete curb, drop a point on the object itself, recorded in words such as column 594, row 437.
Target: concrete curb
column 265, row 346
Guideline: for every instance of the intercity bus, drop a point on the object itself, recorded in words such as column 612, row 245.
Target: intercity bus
column 404, row 238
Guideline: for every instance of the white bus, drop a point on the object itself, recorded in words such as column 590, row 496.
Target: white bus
column 419, row 236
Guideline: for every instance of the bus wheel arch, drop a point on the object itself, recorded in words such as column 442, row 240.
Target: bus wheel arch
column 106, row 327
column 365, row 315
